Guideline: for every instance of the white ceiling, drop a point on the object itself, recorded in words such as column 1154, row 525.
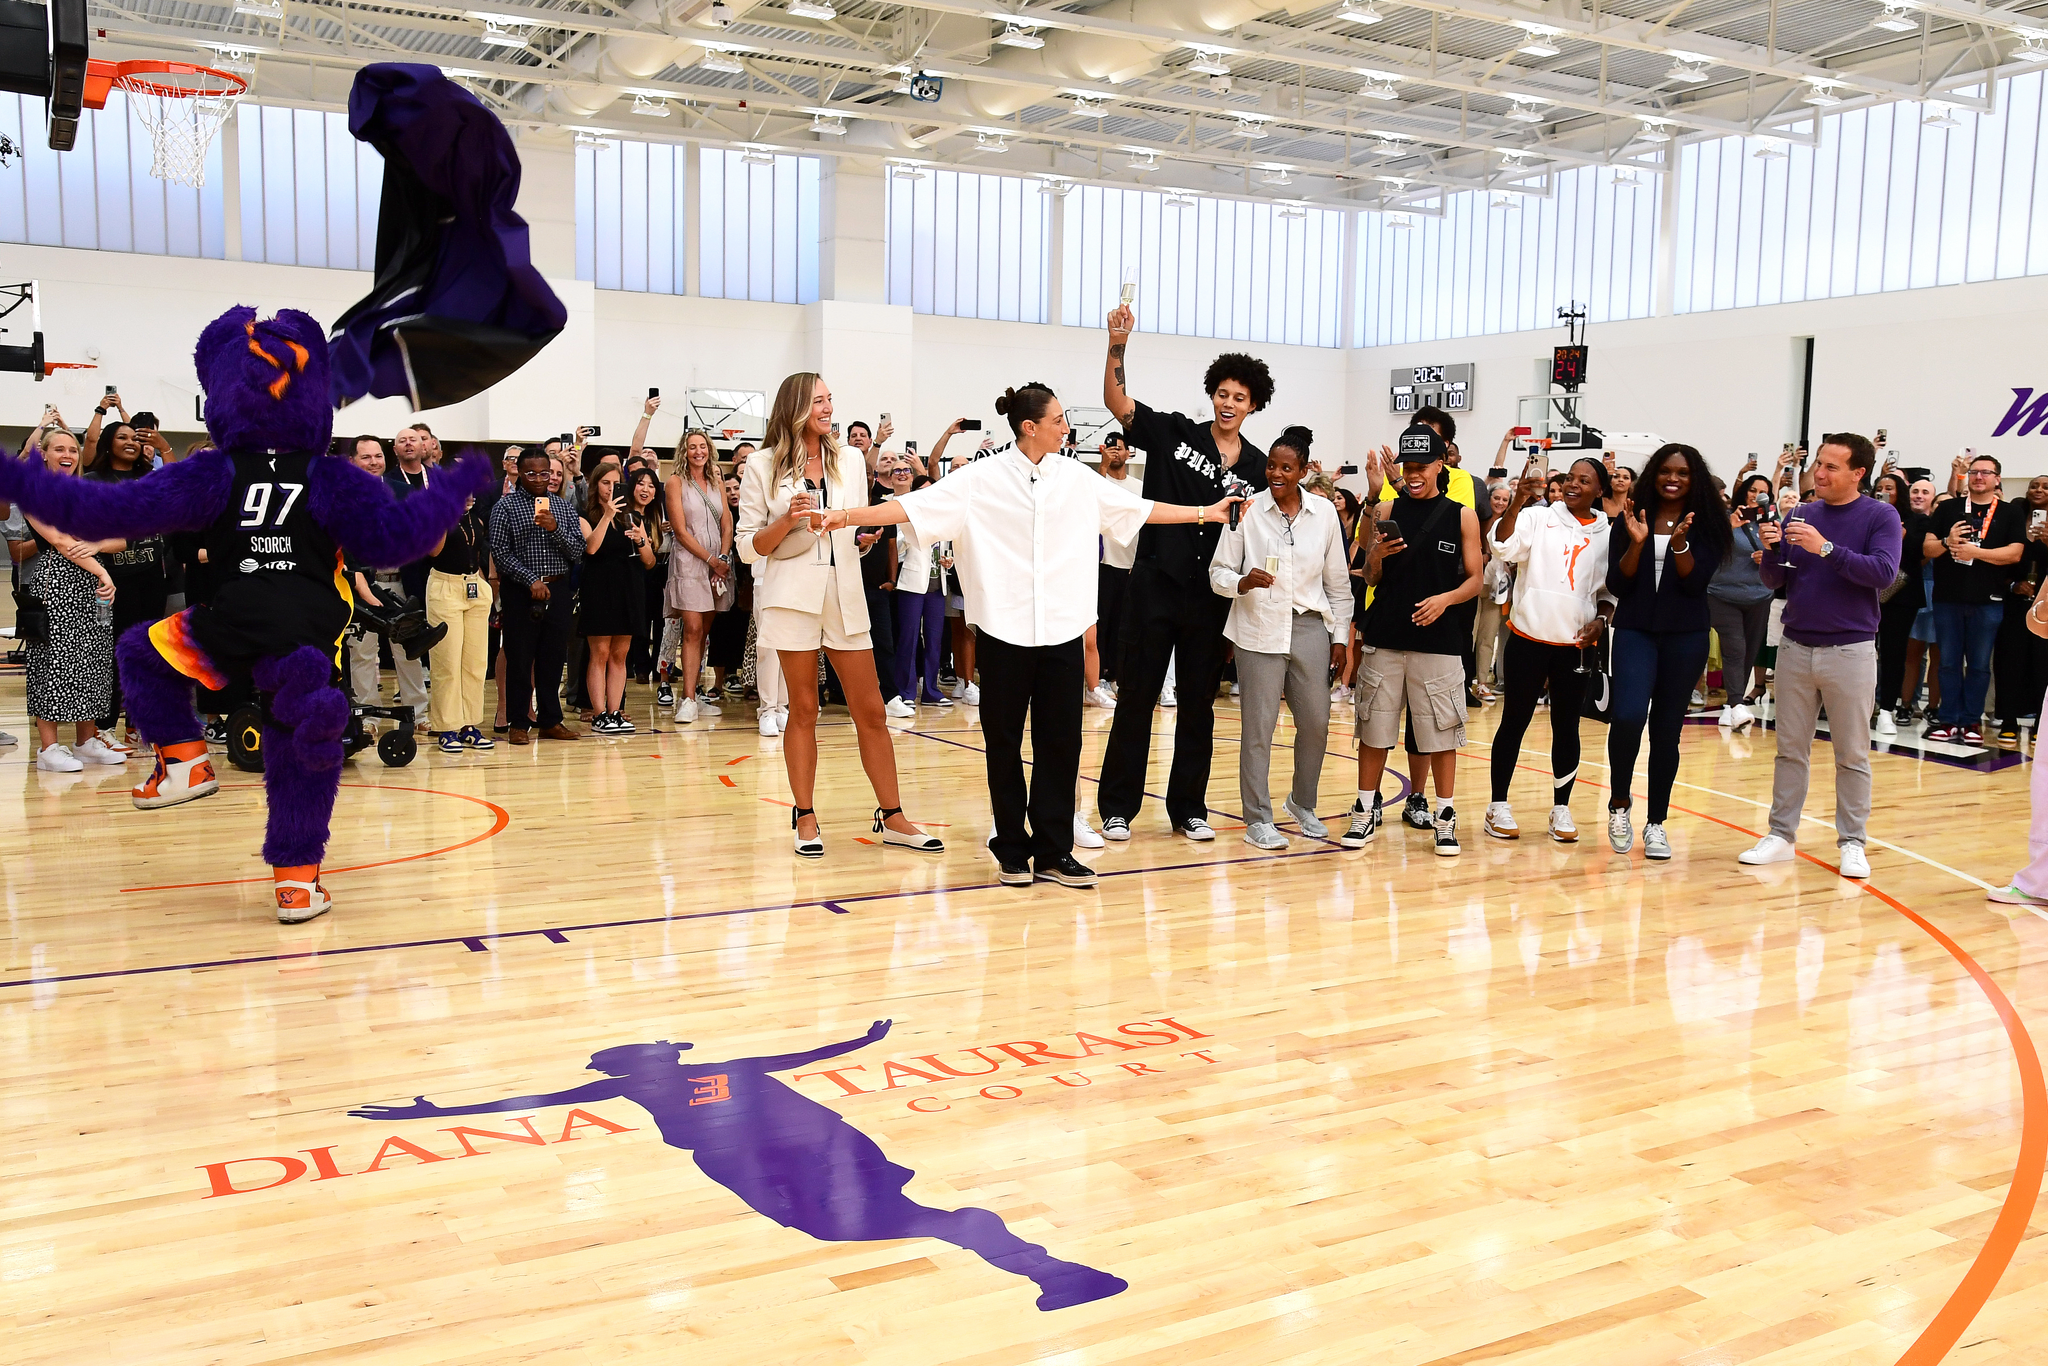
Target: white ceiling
column 1426, row 96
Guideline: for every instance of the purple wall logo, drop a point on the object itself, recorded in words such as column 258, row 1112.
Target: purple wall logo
column 2027, row 417
column 789, row 1157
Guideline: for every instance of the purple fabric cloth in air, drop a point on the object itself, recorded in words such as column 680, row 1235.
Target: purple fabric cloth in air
column 457, row 304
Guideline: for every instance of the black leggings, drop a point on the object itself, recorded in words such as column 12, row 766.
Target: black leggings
column 1654, row 673
column 1527, row 667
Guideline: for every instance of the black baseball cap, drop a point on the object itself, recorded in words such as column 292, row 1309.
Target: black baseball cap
column 1420, row 444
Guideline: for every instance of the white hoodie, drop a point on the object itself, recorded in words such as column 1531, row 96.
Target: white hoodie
column 1563, row 571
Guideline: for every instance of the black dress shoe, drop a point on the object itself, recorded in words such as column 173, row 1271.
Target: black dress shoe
column 1013, row 875
column 1068, row 871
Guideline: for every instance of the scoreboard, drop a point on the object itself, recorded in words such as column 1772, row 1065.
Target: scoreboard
column 1415, row 387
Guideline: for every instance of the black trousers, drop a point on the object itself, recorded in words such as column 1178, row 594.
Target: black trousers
column 535, row 647
column 1164, row 619
column 1894, row 630
column 2018, row 657
column 1046, row 681
column 1110, row 586
column 882, row 630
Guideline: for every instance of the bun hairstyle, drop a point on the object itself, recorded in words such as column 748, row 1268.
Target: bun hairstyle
column 1298, row 440
column 1026, row 403
column 1600, row 474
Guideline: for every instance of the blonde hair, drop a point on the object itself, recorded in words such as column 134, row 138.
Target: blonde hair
column 784, row 440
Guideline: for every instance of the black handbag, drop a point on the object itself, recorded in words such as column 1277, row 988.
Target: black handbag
column 31, row 619
column 1596, row 662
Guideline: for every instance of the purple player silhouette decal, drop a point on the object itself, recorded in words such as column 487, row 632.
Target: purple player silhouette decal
column 790, row 1158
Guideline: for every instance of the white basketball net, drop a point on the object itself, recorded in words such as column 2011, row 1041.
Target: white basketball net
column 182, row 124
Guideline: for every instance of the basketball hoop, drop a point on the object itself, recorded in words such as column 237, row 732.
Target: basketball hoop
column 182, row 106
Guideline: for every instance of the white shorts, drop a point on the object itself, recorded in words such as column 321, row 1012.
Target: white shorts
column 787, row 628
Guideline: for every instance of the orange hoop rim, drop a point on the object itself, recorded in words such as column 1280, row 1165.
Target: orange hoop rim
column 136, row 76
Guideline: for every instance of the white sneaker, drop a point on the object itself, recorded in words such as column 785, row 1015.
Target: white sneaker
column 57, row 759
column 1307, row 820
column 1340, row 693
column 1561, row 828
column 1084, row 835
column 686, row 711
column 1167, row 699
column 971, row 695
column 1621, row 836
column 1727, row 717
column 1098, row 696
column 1855, row 863
column 707, row 704
column 1500, row 822
column 900, row 709
column 1885, row 724
column 768, row 728
column 97, row 751
column 1234, row 692
column 1656, row 844
column 6, row 739
column 1264, row 835
column 1743, row 716
column 1769, row 849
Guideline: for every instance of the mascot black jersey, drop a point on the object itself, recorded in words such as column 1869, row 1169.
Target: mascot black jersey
column 281, row 584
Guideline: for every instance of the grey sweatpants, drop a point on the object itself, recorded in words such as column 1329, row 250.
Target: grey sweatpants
column 1302, row 675
column 1843, row 678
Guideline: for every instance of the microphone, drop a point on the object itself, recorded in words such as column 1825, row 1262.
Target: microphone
column 1238, row 487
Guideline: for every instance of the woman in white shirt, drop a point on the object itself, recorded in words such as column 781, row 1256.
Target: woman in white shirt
column 1560, row 607
column 1285, row 570
column 1023, row 523
column 808, row 589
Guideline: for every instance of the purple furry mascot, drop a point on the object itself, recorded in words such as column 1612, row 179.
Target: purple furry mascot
column 275, row 511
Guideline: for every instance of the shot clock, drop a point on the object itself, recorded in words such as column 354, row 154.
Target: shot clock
column 1568, row 367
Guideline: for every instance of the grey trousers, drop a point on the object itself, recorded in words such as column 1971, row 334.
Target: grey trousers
column 1302, row 676
column 1843, row 678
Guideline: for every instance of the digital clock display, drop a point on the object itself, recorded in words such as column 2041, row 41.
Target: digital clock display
column 1568, row 366
column 1429, row 374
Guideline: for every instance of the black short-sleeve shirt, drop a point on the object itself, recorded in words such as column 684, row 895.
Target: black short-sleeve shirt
column 1182, row 465
column 1998, row 524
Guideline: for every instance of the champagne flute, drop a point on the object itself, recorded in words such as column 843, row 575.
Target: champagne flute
column 1130, row 285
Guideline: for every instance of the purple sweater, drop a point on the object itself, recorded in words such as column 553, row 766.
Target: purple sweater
column 1832, row 600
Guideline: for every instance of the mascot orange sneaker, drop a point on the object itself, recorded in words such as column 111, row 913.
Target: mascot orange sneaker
column 300, row 897
column 183, row 774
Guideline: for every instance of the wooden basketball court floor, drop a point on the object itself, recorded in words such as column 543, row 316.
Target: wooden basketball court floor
column 1537, row 1104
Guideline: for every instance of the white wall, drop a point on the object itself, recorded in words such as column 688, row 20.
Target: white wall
column 1937, row 367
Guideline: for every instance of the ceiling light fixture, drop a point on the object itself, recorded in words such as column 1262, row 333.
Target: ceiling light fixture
column 1897, row 18
column 718, row 16
column 810, row 9
column 1511, row 157
column 1251, row 125
column 1144, row 159
column 1276, row 175
column 1524, row 111
column 1359, row 13
column 905, row 171
column 1940, row 115
column 1626, row 178
column 830, row 125
column 1378, row 86
column 235, row 59
column 1208, row 62
column 1655, row 130
column 1503, row 200
column 1688, row 66
column 1401, row 222
column 1539, row 44
column 585, row 138
column 1399, row 182
column 504, row 35
column 1089, row 106
column 1056, row 185
column 987, row 142
column 1179, row 199
column 2033, row 46
column 260, row 9
column 718, row 59
column 652, row 107
column 755, row 156
column 1823, row 93
column 1017, row 35
column 1293, row 211
column 1769, row 149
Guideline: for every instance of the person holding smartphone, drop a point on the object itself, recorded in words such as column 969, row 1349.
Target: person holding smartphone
column 1738, row 600
column 1973, row 542
column 2018, row 661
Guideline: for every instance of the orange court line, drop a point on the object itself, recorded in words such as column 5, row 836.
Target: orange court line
column 502, row 819
column 727, row 780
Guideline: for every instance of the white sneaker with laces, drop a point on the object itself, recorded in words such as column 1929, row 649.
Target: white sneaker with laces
column 1885, row 724
column 1098, row 696
column 686, row 711
column 1500, row 822
column 97, row 751
column 1621, row 836
column 1340, row 693
column 768, row 729
column 6, row 739
column 1561, row 828
column 900, row 709
column 707, row 703
column 971, row 695
column 1264, row 835
column 1308, row 821
column 1196, row 829
column 1769, row 849
column 1743, row 716
column 1727, row 717
column 57, row 759
column 1656, row 844
column 1855, row 863
column 1167, row 699
column 1084, row 835
column 1116, row 828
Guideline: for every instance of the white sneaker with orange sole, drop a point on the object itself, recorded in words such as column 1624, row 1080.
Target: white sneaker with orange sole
column 300, row 900
column 177, row 779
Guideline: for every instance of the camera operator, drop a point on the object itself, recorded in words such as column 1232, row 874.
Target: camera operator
column 1973, row 542
column 1832, row 558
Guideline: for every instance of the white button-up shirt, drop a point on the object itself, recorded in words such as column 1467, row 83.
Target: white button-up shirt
column 1314, row 573
column 1024, row 540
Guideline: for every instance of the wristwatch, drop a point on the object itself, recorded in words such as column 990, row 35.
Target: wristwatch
column 1827, row 548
